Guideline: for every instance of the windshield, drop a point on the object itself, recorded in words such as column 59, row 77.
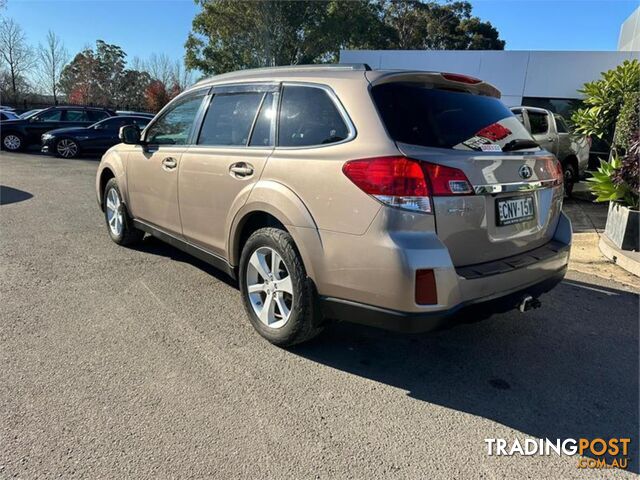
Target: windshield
column 30, row 113
column 422, row 115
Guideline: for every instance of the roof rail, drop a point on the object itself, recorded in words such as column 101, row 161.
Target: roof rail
column 311, row 67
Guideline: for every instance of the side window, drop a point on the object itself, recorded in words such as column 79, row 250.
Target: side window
column 229, row 118
column 263, row 130
column 97, row 115
column 50, row 116
column 539, row 122
column 518, row 114
column 174, row 127
column 308, row 116
column 561, row 125
column 76, row 116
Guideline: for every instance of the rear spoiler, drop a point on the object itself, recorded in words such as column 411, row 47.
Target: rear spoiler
column 438, row 79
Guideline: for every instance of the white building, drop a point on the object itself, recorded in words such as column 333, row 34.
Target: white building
column 629, row 39
column 537, row 78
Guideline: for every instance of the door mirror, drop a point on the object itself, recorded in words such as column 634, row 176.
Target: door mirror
column 35, row 118
column 130, row 134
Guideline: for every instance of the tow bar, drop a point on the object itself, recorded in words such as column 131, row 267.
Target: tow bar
column 529, row 303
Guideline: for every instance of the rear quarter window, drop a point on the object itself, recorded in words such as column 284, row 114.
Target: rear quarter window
column 308, row 116
column 421, row 115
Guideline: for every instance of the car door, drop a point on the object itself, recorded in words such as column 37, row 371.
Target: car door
column 105, row 133
column 43, row 122
column 217, row 174
column 541, row 130
column 152, row 168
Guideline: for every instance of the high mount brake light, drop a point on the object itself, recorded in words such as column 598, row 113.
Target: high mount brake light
column 457, row 77
column 405, row 182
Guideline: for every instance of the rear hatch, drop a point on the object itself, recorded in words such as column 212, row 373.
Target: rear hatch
column 515, row 198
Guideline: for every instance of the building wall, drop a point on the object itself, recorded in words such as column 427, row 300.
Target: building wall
column 630, row 32
column 517, row 74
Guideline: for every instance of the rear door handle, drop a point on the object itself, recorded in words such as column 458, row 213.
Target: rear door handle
column 169, row 163
column 241, row 169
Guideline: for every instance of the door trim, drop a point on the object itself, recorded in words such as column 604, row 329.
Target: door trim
column 198, row 252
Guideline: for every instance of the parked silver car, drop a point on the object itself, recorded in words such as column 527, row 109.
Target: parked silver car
column 553, row 134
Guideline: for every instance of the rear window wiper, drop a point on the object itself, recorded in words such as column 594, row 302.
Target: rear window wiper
column 519, row 144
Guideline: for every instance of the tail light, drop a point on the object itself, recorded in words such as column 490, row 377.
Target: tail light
column 404, row 182
column 555, row 168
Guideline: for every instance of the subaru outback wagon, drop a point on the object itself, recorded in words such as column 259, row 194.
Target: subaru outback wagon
column 392, row 198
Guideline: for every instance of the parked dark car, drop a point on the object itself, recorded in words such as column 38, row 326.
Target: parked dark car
column 18, row 134
column 8, row 115
column 97, row 138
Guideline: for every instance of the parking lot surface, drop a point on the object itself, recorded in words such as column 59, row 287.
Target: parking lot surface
column 140, row 363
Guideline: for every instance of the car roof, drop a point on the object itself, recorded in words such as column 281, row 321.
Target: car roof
column 343, row 71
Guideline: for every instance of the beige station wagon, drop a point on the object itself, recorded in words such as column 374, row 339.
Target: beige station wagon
column 397, row 199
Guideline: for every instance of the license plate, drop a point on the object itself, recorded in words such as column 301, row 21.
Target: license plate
column 514, row 210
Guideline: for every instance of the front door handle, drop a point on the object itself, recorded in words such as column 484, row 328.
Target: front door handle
column 241, row 169
column 169, row 163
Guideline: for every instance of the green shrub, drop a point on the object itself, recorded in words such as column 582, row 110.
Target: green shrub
column 628, row 123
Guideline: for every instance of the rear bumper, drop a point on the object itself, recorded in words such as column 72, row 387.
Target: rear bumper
column 411, row 322
column 481, row 289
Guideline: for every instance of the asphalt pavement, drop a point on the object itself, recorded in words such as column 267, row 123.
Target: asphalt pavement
column 140, row 363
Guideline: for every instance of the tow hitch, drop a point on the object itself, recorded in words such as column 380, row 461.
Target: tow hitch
column 528, row 303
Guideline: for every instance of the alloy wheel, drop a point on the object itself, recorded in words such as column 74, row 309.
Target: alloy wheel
column 115, row 217
column 67, row 148
column 269, row 287
column 12, row 142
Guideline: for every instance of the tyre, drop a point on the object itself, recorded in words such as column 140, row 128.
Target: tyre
column 67, row 148
column 570, row 177
column 277, row 294
column 13, row 142
column 119, row 224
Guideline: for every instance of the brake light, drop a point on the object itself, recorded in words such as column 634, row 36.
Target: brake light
column 555, row 168
column 405, row 182
column 457, row 77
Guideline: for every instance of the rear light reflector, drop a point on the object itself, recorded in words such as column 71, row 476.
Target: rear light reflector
column 426, row 291
column 553, row 166
column 457, row 77
column 405, row 182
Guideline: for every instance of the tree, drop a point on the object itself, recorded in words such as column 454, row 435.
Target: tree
column 157, row 96
column 228, row 35
column 15, row 54
column 604, row 99
column 100, row 77
column 433, row 26
column 52, row 56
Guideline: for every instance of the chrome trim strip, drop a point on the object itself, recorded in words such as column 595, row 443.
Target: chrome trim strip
column 513, row 187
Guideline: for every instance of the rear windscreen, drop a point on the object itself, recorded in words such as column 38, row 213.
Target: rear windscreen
column 422, row 115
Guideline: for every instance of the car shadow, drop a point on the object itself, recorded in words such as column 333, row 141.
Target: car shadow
column 567, row 370
column 12, row 195
column 154, row 246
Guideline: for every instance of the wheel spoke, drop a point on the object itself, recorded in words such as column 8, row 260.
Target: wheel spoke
column 275, row 263
column 258, row 287
column 285, row 285
column 258, row 262
column 282, row 307
column 266, row 314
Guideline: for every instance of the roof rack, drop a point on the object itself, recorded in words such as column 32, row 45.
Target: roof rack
column 310, row 67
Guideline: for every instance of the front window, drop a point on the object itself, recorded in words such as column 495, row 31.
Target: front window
column 76, row 116
column 174, row 126
column 50, row 116
column 419, row 114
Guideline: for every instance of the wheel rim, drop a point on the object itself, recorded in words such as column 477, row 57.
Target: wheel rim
column 67, row 148
column 269, row 287
column 114, row 212
column 12, row 142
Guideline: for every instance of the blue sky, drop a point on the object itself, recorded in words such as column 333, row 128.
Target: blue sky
column 142, row 27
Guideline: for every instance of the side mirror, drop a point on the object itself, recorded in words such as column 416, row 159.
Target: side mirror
column 33, row 119
column 130, row 134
